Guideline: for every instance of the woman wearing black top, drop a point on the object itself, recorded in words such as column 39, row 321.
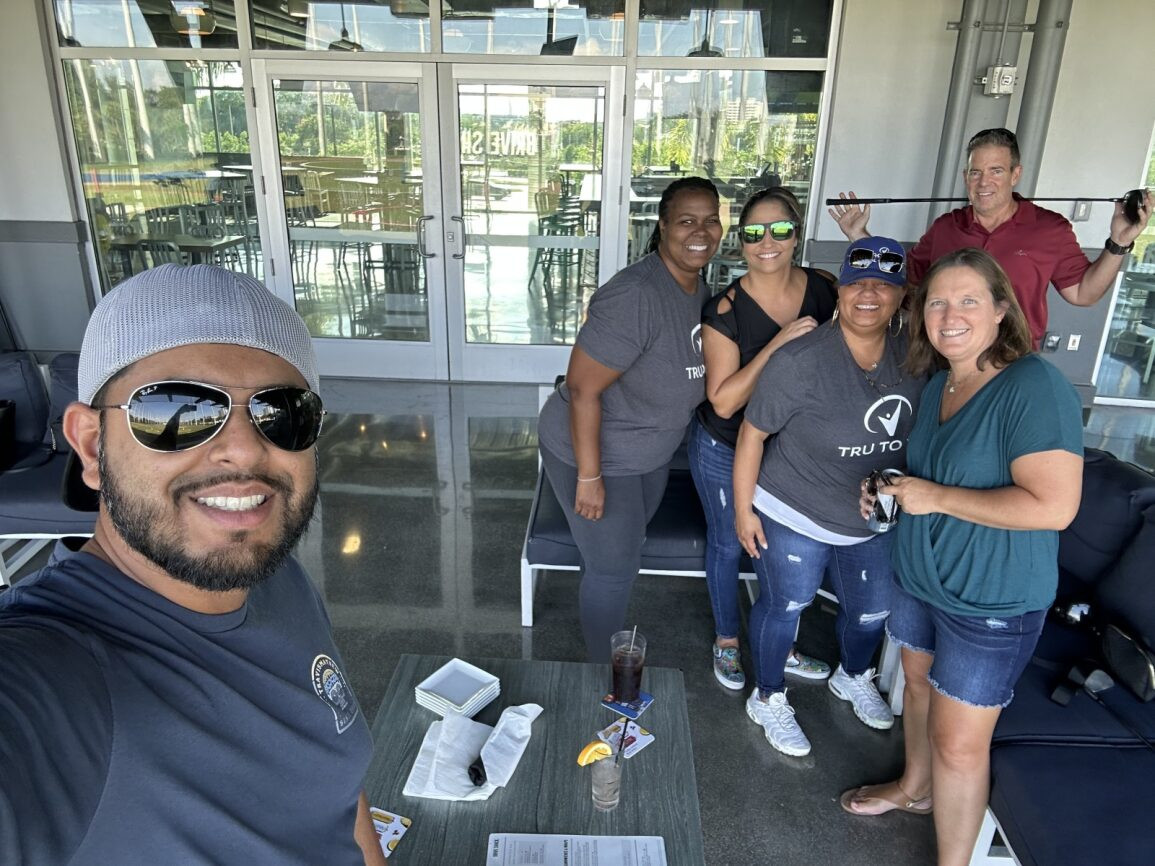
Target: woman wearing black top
column 773, row 303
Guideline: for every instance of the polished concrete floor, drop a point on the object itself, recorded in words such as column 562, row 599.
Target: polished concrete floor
column 425, row 493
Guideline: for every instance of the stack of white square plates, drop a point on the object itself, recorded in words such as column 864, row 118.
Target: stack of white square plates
column 457, row 687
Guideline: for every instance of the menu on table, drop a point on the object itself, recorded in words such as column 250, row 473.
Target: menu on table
column 528, row 849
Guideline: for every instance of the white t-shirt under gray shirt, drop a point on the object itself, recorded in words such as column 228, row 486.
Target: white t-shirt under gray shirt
column 642, row 323
column 832, row 425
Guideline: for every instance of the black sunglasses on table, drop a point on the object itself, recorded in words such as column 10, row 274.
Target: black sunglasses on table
column 176, row 415
column 779, row 230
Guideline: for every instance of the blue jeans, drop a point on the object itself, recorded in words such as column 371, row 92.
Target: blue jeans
column 790, row 572
column 977, row 659
column 712, row 466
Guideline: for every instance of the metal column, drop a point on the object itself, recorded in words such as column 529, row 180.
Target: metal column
column 954, row 132
column 1051, row 26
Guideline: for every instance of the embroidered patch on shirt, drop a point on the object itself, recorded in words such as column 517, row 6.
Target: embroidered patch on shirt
column 330, row 686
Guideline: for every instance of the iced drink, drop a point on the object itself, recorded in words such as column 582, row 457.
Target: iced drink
column 627, row 657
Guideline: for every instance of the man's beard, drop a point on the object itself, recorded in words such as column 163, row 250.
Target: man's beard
column 242, row 565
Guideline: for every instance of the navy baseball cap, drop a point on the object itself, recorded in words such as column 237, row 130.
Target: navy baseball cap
column 874, row 258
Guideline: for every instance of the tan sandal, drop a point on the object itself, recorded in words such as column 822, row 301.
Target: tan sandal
column 870, row 797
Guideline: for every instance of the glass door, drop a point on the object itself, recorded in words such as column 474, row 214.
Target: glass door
column 439, row 221
column 351, row 194
column 534, row 154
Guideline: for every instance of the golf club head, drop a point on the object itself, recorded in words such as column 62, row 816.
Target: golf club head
column 1132, row 201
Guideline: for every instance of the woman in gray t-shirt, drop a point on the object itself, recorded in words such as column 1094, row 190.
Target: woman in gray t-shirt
column 839, row 406
column 634, row 379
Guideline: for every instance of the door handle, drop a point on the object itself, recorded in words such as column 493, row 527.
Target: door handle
column 421, row 251
column 464, row 237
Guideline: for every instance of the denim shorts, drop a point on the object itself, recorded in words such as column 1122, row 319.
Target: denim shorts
column 977, row 659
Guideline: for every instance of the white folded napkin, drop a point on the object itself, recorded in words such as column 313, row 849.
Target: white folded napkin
column 441, row 771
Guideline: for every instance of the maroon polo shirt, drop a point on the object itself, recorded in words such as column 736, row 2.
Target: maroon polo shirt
column 1036, row 247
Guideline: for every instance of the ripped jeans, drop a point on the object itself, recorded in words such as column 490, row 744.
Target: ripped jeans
column 790, row 572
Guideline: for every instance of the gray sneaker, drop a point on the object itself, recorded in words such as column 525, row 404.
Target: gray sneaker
column 776, row 717
column 727, row 667
column 863, row 695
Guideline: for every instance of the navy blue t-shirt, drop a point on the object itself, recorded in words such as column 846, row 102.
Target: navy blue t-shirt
column 136, row 731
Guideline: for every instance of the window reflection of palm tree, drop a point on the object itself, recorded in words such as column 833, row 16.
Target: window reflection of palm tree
column 167, row 438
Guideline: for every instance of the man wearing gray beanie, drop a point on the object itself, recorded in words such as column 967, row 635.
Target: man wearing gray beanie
column 172, row 693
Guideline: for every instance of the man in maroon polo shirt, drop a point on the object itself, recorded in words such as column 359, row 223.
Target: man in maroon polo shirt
column 1035, row 246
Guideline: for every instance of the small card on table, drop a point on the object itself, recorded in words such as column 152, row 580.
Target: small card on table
column 637, row 737
column 630, row 710
column 390, row 828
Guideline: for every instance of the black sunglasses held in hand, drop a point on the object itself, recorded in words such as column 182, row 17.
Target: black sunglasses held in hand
column 176, row 416
column 888, row 262
column 780, row 230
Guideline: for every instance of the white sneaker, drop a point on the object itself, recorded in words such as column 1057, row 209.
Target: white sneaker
column 776, row 717
column 863, row 695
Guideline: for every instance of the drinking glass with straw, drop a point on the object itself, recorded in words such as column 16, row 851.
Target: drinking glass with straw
column 627, row 657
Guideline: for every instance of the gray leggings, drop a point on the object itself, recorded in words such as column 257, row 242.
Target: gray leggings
column 611, row 548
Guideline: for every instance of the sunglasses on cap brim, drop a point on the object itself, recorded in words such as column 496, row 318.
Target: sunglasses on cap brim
column 176, row 415
column 888, row 262
column 779, row 230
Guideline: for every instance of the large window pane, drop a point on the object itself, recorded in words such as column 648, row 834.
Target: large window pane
column 1126, row 367
column 158, row 142
column 397, row 25
column 734, row 28
column 743, row 130
column 144, row 24
column 551, row 27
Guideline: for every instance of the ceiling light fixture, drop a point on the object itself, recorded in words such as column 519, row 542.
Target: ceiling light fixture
column 192, row 18
column 344, row 43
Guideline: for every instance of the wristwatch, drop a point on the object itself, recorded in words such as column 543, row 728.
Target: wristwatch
column 1117, row 250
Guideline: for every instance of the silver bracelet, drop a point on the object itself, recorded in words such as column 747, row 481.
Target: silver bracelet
column 597, row 477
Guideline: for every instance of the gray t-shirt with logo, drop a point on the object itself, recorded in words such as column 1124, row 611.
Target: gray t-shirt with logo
column 642, row 323
column 831, row 427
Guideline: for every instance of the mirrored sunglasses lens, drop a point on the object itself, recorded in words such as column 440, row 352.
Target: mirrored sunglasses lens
column 175, row 416
column 861, row 258
column 890, row 263
column 752, row 234
column 290, row 418
column 783, row 230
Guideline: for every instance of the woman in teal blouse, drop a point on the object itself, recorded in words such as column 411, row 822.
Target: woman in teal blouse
column 995, row 464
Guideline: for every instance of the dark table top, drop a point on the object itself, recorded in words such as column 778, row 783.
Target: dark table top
column 549, row 792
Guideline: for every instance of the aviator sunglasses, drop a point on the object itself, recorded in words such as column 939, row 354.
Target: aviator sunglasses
column 780, row 230
column 888, row 262
column 176, row 416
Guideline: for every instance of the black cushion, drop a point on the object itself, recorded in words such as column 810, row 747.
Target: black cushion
column 675, row 538
column 30, row 502
column 1126, row 594
column 1114, row 495
column 1033, row 717
column 62, row 387
column 1070, row 806
column 21, row 382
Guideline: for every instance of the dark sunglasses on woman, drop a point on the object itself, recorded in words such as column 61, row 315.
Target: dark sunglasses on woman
column 176, row 415
column 888, row 262
column 779, row 230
